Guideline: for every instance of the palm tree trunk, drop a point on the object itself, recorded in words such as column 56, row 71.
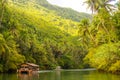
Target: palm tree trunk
column 91, row 36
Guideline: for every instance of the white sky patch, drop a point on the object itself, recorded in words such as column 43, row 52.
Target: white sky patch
column 74, row 4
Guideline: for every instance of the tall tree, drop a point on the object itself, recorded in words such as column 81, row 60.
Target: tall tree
column 97, row 5
column 85, row 33
column 91, row 4
column 118, row 5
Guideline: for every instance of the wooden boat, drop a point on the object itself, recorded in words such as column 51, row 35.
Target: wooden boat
column 28, row 68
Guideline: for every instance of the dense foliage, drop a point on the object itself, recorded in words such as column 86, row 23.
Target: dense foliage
column 32, row 33
column 102, row 36
column 35, row 31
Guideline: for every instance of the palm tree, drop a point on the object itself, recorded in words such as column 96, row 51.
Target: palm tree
column 105, row 4
column 97, row 5
column 118, row 5
column 85, row 33
column 91, row 4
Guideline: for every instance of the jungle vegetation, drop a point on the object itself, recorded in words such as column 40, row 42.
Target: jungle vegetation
column 101, row 36
column 35, row 31
column 32, row 33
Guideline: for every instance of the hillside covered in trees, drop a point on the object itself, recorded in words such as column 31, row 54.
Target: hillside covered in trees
column 66, row 13
column 36, row 31
column 30, row 32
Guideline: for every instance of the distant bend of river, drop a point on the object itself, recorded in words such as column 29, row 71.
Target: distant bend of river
column 77, row 74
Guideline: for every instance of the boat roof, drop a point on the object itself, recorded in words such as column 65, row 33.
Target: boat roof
column 32, row 64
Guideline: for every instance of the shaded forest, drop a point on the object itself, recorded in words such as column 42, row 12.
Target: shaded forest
column 36, row 31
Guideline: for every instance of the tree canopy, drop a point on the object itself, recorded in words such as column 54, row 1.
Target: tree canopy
column 103, row 47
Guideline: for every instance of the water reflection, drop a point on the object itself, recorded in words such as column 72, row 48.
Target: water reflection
column 58, row 75
column 33, row 76
column 61, row 75
column 8, row 77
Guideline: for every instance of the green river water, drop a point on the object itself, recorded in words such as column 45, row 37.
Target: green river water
column 62, row 75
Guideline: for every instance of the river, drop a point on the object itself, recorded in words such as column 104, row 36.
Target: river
column 81, row 74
